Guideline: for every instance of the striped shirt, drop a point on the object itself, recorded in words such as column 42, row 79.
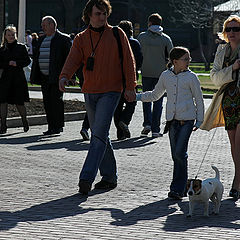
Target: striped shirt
column 44, row 55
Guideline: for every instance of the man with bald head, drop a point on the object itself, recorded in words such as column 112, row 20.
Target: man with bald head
column 51, row 53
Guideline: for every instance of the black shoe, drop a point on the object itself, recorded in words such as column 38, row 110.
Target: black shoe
column 234, row 194
column 53, row 131
column 84, row 186
column 84, row 134
column 125, row 129
column 3, row 129
column 48, row 132
column 174, row 195
column 25, row 126
column 120, row 138
column 104, row 185
column 57, row 130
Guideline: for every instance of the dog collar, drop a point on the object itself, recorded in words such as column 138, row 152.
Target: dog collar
column 198, row 193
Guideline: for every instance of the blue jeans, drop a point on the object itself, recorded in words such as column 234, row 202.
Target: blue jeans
column 179, row 135
column 100, row 109
column 151, row 116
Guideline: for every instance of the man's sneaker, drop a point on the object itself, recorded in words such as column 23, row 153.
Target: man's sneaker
column 84, row 186
column 84, row 134
column 104, row 185
column 146, row 130
column 156, row 134
column 125, row 129
column 174, row 195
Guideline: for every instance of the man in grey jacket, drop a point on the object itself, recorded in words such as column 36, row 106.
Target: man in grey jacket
column 156, row 46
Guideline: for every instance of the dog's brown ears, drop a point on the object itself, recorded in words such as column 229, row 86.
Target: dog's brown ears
column 194, row 181
column 188, row 183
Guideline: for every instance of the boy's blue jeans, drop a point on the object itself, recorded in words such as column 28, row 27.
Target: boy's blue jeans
column 100, row 109
column 179, row 134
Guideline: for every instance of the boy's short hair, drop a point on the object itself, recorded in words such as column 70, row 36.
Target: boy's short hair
column 155, row 19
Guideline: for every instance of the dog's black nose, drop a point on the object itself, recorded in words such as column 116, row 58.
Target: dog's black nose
column 190, row 193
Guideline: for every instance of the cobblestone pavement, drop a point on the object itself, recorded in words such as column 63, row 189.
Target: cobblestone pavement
column 39, row 177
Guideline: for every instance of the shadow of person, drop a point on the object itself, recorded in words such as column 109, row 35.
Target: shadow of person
column 79, row 145
column 146, row 212
column 59, row 208
column 20, row 140
column 136, row 142
column 229, row 214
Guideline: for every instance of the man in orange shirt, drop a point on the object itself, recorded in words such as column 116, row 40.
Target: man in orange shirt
column 97, row 49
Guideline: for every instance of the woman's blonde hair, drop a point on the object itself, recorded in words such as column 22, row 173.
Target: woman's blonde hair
column 223, row 35
column 8, row 28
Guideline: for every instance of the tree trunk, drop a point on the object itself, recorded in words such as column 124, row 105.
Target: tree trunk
column 206, row 64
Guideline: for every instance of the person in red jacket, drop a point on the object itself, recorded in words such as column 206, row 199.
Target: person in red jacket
column 97, row 48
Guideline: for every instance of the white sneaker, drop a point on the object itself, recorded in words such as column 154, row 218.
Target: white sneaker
column 156, row 134
column 146, row 130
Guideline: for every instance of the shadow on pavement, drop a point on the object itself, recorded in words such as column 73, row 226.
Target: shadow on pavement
column 150, row 211
column 80, row 145
column 229, row 214
column 23, row 140
column 64, row 207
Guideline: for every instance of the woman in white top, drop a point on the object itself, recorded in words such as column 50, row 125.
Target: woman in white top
column 184, row 112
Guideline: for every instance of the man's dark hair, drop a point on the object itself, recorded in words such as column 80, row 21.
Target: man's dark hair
column 127, row 27
column 155, row 19
column 103, row 5
column 28, row 32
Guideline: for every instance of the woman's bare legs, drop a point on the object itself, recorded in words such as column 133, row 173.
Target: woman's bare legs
column 3, row 116
column 234, row 137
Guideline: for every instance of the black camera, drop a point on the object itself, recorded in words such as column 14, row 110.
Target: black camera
column 90, row 63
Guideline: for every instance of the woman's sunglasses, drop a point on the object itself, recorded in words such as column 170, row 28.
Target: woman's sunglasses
column 234, row 29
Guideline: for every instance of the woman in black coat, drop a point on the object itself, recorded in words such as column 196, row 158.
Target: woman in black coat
column 13, row 85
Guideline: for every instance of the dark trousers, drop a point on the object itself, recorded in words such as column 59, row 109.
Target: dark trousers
column 53, row 104
column 85, row 123
column 123, row 113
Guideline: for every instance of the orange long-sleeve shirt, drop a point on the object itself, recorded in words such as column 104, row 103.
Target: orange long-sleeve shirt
column 107, row 73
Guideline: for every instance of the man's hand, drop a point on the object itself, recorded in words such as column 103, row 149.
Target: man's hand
column 130, row 96
column 62, row 83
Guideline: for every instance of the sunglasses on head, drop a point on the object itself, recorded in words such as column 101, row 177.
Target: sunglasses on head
column 234, row 29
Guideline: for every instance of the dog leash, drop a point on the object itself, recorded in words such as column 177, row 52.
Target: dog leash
column 206, row 153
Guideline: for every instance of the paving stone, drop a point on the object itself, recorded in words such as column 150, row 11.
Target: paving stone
column 39, row 177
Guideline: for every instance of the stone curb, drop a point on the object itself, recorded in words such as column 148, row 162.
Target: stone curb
column 68, row 117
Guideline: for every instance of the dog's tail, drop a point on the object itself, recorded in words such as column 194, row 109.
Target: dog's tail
column 217, row 172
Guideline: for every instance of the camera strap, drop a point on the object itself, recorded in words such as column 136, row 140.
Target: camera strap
column 94, row 48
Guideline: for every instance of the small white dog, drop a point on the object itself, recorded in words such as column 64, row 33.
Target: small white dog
column 202, row 191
